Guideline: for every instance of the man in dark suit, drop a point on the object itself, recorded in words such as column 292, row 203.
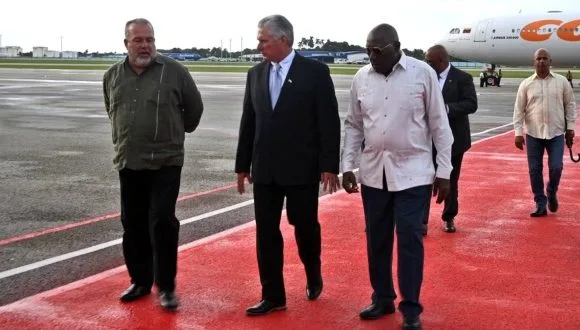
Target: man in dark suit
column 289, row 143
column 460, row 101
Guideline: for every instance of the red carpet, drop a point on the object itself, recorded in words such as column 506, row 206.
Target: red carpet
column 501, row 270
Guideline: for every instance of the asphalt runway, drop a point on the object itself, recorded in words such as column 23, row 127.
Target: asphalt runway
column 60, row 195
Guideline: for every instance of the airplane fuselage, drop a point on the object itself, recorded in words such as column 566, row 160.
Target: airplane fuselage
column 512, row 40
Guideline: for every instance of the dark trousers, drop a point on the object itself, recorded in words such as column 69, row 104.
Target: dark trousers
column 535, row 151
column 151, row 230
column 404, row 210
column 302, row 212
column 451, row 203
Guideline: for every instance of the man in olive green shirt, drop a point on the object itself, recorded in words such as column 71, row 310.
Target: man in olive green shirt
column 151, row 101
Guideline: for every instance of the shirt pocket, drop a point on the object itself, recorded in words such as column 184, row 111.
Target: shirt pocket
column 415, row 96
column 366, row 99
column 166, row 114
column 118, row 113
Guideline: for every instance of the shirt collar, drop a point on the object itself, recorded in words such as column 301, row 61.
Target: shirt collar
column 550, row 74
column 445, row 72
column 286, row 62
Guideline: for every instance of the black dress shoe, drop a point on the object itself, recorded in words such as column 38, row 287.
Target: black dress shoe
column 449, row 226
column 553, row 204
column 264, row 307
column 411, row 323
column 313, row 291
column 168, row 300
column 135, row 292
column 377, row 310
column 540, row 211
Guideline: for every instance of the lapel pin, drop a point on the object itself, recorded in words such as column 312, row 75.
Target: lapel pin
column 290, row 80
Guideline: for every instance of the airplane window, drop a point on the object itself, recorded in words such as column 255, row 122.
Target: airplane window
column 451, row 31
column 467, row 30
column 549, row 29
column 513, row 30
column 493, row 31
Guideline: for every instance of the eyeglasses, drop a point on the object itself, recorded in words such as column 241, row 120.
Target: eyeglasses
column 378, row 50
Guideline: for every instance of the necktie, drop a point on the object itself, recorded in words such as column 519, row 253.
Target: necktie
column 276, row 84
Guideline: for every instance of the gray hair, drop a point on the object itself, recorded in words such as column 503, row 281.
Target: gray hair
column 278, row 26
column 142, row 21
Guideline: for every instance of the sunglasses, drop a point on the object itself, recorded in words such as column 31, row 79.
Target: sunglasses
column 378, row 50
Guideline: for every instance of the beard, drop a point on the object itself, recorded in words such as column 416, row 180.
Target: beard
column 143, row 60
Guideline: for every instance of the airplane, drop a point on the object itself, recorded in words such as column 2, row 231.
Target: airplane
column 512, row 40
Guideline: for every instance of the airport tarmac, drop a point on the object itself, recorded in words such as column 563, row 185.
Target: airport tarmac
column 60, row 199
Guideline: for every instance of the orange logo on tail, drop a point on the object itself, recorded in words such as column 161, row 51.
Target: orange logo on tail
column 531, row 32
column 566, row 31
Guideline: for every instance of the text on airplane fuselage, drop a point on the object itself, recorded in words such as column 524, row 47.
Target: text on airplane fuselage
column 564, row 30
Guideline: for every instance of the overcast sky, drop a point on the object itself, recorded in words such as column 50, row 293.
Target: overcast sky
column 98, row 25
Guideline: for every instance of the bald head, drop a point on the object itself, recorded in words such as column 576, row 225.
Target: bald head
column 383, row 48
column 440, row 51
column 383, row 33
column 542, row 52
column 542, row 62
column 438, row 58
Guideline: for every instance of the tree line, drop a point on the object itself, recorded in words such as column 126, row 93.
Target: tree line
column 310, row 43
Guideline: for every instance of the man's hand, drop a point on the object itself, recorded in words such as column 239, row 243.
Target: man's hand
column 241, row 177
column 330, row 182
column 349, row 182
column 441, row 189
column 520, row 143
column 569, row 138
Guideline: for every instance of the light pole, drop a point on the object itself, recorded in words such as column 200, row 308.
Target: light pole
column 61, row 46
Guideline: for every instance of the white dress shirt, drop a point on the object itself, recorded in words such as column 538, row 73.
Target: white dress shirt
column 399, row 117
column 544, row 105
column 443, row 76
column 284, row 68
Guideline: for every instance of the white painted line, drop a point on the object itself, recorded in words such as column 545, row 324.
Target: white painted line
column 58, row 81
column 97, row 277
column 74, row 254
column 492, row 129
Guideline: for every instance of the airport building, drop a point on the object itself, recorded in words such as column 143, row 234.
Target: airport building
column 10, row 51
column 45, row 52
column 358, row 57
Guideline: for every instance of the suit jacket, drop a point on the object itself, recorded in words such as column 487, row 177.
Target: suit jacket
column 460, row 97
column 298, row 139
